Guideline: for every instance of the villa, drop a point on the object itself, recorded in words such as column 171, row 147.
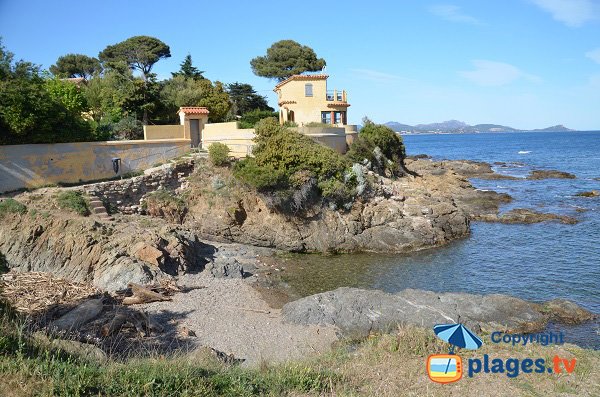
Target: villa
column 304, row 99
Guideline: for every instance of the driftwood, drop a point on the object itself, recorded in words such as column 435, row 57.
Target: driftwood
column 143, row 295
column 137, row 319
column 74, row 319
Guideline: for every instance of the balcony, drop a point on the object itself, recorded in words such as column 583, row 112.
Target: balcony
column 336, row 96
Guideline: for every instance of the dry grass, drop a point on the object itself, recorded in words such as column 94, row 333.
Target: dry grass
column 394, row 365
column 34, row 292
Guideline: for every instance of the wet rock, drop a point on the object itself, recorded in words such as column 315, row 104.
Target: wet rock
column 549, row 174
column 524, row 215
column 591, row 193
column 358, row 312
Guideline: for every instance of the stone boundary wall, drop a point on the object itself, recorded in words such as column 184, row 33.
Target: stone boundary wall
column 36, row 165
column 126, row 195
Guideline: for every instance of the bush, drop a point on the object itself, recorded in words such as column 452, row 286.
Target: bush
column 249, row 119
column 74, row 201
column 11, row 206
column 381, row 146
column 218, row 154
column 128, row 128
column 259, row 177
column 292, row 170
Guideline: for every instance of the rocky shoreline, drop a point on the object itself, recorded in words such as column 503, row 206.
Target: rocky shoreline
column 214, row 247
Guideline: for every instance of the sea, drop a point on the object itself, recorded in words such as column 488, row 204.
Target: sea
column 536, row 262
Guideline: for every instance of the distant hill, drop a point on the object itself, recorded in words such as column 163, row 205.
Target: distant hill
column 455, row 126
column 554, row 128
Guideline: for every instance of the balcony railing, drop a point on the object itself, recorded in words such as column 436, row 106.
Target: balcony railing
column 337, row 96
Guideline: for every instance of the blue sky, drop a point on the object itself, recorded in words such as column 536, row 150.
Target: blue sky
column 523, row 63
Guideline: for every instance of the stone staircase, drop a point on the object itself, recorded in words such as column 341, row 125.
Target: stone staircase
column 97, row 208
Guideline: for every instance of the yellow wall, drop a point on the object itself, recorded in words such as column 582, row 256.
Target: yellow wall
column 163, row 132
column 34, row 165
column 239, row 140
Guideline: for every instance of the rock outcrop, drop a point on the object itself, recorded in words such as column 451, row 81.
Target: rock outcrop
column 550, row 174
column 358, row 312
column 108, row 255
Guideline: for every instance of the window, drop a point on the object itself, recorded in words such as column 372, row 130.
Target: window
column 308, row 89
column 326, row 117
column 338, row 117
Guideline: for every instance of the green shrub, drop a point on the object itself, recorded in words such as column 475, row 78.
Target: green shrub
column 11, row 206
column 74, row 201
column 290, row 151
column 381, row 146
column 249, row 119
column 293, row 171
column 218, row 153
column 128, row 128
column 259, row 177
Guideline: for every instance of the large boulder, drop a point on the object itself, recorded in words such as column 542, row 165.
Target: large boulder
column 358, row 312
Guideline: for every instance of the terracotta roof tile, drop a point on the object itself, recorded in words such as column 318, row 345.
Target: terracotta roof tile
column 302, row 77
column 337, row 104
column 193, row 110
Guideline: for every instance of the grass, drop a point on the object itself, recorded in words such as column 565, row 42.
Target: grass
column 11, row 206
column 73, row 201
column 28, row 369
column 381, row 365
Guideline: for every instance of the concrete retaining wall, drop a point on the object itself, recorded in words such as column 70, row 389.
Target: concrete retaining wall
column 35, row 165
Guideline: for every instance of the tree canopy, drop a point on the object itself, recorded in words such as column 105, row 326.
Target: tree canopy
column 37, row 110
column 138, row 52
column 75, row 65
column 245, row 99
column 187, row 69
column 286, row 58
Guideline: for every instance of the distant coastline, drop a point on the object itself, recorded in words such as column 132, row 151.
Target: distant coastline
column 459, row 127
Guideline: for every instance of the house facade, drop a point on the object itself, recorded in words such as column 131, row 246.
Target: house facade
column 305, row 99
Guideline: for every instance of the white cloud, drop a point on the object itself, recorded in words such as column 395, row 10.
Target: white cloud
column 453, row 13
column 573, row 13
column 374, row 75
column 594, row 55
column 494, row 74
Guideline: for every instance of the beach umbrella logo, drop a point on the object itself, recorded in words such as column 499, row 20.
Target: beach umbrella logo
column 447, row 368
column 458, row 336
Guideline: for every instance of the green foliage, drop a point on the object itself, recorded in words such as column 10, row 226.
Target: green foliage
column 188, row 70
column 261, row 177
column 290, row 168
column 32, row 111
column 218, row 153
column 138, row 52
column 249, row 119
column 128, row 128
column 68, row 94
column 73, row 201
column 286, row 58
column 76, row 65
column 381, row 146
column 244, row 99
column 181, row 91
column 11, row 206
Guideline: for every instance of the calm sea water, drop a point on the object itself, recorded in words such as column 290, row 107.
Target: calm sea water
column 536, row 262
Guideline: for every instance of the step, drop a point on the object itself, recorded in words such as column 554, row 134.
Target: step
column 99, row 210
